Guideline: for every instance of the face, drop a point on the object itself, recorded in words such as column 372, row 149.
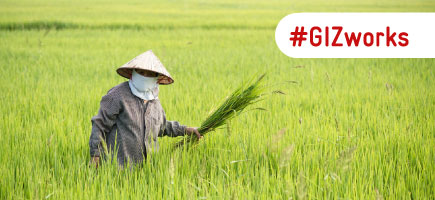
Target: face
column 146, row 73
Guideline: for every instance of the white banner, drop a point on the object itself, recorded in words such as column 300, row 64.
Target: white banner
column 357, row 35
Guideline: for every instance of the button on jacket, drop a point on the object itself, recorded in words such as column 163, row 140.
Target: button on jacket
column 129, row 126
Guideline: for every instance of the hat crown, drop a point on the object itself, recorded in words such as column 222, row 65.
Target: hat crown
column 146, row 61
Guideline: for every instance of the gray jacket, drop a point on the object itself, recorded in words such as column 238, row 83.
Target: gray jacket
column 125, row 120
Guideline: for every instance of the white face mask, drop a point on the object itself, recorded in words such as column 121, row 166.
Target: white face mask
column 143, row 87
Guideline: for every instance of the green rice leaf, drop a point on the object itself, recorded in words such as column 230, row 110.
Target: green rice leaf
column 248, row 93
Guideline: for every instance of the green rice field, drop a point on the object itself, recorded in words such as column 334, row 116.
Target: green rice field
column 345, row 128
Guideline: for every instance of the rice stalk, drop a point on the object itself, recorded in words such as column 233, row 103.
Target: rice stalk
column 247, row 94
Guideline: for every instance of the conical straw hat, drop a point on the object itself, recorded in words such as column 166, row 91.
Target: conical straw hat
column 146, row 61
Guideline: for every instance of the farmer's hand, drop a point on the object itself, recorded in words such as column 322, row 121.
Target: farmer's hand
column 95, row 161
column 191, row 130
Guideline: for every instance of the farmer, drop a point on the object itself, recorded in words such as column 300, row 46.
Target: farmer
column 131, row 117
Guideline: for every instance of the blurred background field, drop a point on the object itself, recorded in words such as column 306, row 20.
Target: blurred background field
column 346, row 128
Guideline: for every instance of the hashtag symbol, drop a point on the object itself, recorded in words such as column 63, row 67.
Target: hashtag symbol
column 298, row 36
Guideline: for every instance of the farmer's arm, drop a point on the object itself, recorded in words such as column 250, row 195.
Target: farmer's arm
column 174, row 129
column 102, row 123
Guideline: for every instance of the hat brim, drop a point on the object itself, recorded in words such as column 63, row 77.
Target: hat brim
column 163, row 79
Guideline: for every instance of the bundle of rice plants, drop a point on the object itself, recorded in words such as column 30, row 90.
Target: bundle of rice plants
column 247, row 94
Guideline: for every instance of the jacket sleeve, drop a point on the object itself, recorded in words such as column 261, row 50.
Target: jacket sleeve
column 172, row 128
column 103, row 123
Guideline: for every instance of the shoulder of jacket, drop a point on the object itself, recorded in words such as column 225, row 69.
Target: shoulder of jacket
column 156, row 103
column 119, row 90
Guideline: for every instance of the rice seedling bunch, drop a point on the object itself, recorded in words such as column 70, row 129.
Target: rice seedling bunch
column 248, row 93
